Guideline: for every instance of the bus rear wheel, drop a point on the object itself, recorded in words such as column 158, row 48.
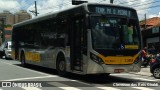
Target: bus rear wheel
column 61, row 65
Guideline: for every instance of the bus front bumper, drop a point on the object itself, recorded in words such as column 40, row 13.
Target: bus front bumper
column 120, row 68
column 94, row 68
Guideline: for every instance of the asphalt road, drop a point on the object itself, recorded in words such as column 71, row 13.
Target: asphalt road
column 13, row 74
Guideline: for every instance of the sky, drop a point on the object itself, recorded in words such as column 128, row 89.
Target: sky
column 148, row 7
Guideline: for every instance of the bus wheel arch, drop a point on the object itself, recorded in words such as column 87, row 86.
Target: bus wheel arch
column 61, row 64
column 22, row 58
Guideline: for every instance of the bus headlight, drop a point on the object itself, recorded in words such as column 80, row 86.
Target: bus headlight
column 96, row 59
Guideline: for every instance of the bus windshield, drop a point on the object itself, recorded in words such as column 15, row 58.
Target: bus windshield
column 114, row 33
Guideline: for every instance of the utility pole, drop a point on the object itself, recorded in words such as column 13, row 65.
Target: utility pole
column 111, row 1
column 35, row 12
column 36, row 8
column 145, row 21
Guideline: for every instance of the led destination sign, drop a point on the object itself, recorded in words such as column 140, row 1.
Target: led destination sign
column 113, row 11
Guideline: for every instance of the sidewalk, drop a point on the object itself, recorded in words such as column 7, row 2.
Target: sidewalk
column 144, row 71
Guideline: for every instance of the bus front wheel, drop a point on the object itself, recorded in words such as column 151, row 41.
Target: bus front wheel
column 61, row 65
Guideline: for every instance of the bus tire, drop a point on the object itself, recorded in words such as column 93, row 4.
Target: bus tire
column 23, row 63
column 61, row 65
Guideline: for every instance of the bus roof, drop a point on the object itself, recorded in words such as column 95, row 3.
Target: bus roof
column 54, row 14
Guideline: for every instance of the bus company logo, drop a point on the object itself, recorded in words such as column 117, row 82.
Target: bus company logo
column 6, row 84
column 21, row 84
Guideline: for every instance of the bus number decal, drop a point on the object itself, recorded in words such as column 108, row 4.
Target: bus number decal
column 119, row 60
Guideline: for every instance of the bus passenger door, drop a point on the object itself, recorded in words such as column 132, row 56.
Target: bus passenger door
column 76, row 43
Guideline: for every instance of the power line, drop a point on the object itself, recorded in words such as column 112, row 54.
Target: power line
column 55, row 6
column 128, row 2
column 139, row 5
column 144, row 3
column 101, row 1
column 64, row 4
column 16, row 8
column 119, row 1
column 149, row 7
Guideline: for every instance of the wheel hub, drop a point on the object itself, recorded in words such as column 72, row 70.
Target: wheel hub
column 157, row 72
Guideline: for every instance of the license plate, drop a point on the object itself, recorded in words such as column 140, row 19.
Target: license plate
column 118, row 70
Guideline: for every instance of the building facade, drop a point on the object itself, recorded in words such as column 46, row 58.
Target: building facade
column 22, row 16
column 11, row 19
column 8, row 20
column 7, row 34
column 151, row 34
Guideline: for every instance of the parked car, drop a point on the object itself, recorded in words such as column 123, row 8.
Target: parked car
column 5, row 50
column 155, row 67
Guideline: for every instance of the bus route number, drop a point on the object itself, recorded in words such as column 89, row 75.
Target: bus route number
column 128, row 60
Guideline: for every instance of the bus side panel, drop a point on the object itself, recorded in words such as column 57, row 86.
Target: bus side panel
column 45, row 58
column 13, row 54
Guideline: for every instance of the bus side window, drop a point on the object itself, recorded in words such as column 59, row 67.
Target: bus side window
column 61, row 29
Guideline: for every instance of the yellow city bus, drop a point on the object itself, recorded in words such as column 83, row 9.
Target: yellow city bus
column 85, row 39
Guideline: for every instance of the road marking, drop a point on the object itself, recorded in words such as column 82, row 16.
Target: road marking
column 142, row 88
column 31, row 88
column 135, row 77
column 65, row 87
column 81, row 82
column 108, row 88
column 27, row 69
column 144, row 79
column 18, row 79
